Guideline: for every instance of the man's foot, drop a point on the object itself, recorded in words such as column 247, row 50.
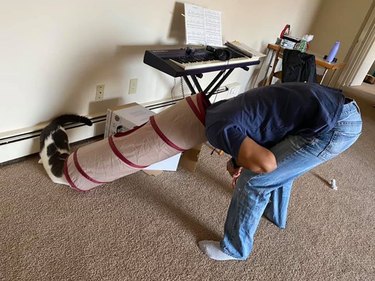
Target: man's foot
column 213, row 250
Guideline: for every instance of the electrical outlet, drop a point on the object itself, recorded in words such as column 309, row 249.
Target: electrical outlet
column 99, row 92
column 133, row 86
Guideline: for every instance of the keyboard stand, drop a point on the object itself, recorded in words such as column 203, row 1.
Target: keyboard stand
column 191, row 76
column 214, row 84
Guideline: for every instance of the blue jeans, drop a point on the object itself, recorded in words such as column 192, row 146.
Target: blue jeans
column 268, row 194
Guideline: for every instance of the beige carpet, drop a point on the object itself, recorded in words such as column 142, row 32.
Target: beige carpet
column 146, row 228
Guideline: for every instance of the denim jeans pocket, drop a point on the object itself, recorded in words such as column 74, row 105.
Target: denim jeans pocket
column 341, row 139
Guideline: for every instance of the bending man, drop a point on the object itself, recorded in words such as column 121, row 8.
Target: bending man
column 275, row 134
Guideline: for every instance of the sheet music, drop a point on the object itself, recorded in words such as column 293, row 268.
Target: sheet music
column 203, row 26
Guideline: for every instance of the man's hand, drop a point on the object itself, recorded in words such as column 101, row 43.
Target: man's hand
column 234, row 172
column 231, row 169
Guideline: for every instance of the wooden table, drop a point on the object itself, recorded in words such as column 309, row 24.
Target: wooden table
column 277, row 53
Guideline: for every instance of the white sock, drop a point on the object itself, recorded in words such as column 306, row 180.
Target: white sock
column 213, row 250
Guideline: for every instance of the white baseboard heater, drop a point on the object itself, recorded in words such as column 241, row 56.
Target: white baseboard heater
column 26, row 142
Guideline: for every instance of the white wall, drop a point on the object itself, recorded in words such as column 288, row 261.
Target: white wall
column 339, row 20
column 54, row 53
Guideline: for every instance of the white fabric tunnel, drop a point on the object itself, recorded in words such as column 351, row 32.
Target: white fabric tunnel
column 174, row 130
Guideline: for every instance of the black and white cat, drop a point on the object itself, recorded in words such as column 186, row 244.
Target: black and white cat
column 54, row 145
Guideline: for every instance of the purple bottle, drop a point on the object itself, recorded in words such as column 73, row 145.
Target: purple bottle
column 332, row 54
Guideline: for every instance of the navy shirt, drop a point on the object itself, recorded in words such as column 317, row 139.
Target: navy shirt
column 268, row 114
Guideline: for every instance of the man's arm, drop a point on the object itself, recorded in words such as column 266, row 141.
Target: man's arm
column 256, row 158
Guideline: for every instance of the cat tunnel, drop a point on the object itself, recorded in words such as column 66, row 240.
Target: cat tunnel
column 174, row 130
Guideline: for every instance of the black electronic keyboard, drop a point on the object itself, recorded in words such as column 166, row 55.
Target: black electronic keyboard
column 187, row 61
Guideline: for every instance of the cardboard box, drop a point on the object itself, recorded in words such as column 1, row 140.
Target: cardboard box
column 126, row 117
column 288, row 42
column 189, row 158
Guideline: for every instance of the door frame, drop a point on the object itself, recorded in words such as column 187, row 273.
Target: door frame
column 359, row 50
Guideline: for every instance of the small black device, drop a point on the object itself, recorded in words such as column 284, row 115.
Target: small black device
column 222, row 54
column 190, row 51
